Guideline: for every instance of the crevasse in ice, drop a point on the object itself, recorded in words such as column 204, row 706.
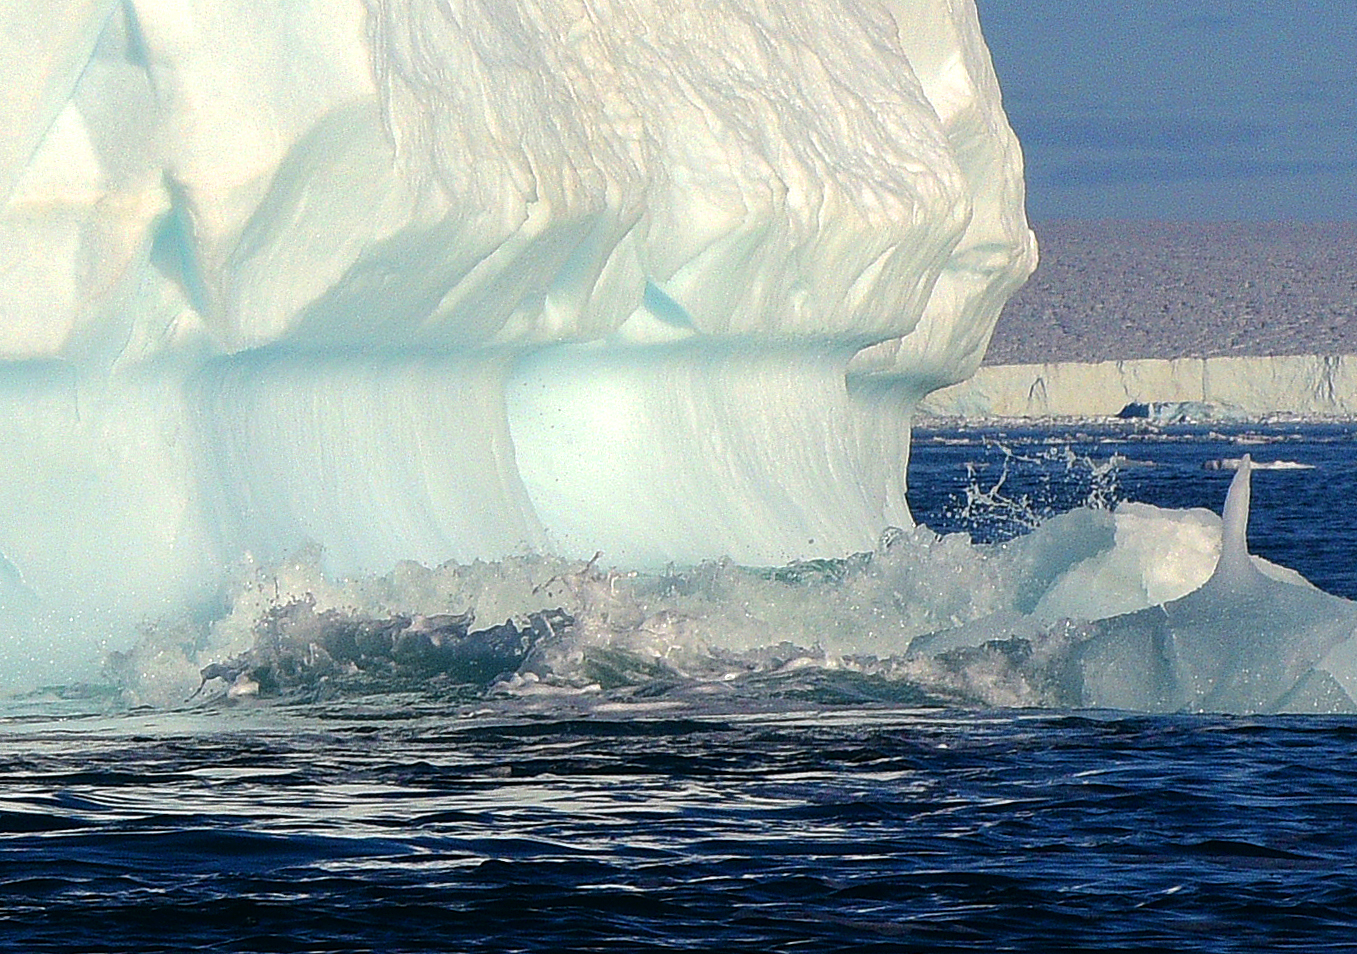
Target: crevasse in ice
column 444, row 279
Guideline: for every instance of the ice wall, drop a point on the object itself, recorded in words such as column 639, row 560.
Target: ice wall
column 436, row 280
column 1316, row 385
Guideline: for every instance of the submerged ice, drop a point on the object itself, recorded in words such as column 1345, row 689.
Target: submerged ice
column 405, row 279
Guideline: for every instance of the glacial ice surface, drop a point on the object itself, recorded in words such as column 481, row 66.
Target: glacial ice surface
column 433, row 280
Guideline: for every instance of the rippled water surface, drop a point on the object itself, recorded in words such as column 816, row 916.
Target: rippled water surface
column 412, row 825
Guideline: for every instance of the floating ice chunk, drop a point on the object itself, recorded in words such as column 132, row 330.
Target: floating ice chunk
column 1172, row 614
column 1091, row 564
column 1180, row 412
column 1243, row 642
column 1234, row 463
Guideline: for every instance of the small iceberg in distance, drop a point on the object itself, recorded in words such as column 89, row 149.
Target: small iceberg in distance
column 1180, row 412
column 1234, row 463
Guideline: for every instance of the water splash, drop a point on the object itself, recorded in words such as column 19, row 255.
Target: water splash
column 1066, row 479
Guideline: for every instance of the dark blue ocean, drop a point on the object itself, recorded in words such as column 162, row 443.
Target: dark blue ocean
column 816, row 810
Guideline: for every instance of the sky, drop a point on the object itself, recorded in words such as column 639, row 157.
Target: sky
column 1183, row 110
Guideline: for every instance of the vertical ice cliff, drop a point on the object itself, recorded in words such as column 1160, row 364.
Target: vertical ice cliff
column 446, row 279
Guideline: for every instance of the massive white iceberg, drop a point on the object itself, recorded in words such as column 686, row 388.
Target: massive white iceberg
column 445, row 279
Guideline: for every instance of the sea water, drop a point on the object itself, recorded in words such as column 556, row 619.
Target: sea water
column 801, row 807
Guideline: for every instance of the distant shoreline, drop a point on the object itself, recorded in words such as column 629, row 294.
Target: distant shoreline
column 1256, row 319
column 1136, row 290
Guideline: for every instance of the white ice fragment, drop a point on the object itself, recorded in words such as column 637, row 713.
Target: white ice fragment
column 1243, row 642
column 1173, row 614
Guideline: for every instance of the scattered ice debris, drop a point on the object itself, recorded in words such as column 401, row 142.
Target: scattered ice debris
column 1234, row 463
column 1180, row 412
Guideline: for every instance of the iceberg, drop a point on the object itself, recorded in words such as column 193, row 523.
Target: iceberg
column 1244, row 641
column 431, row 281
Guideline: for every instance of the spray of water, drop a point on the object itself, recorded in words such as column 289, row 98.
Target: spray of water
column 1065, row 479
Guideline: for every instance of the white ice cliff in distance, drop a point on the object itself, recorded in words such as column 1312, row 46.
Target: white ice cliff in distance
column 448, row 279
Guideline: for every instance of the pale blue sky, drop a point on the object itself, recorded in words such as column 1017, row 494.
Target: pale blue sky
column 1181, row 110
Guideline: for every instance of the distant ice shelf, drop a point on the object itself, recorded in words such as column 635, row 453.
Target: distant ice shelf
column 1315, row 385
